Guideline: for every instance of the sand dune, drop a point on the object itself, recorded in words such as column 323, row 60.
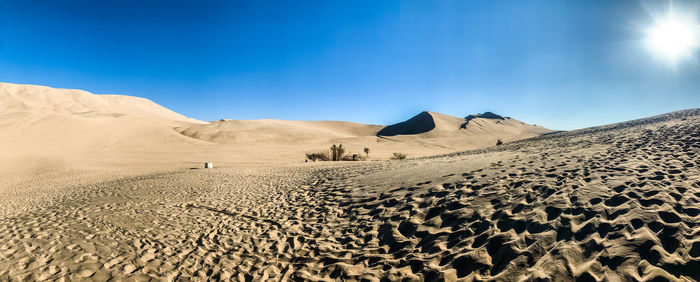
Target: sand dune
column 72, row 132
column 612, row 203
column 436, row 125
column 474, row 131
column 93, row 189
column 277, row 131
column 43, row 121
column 426, row 123
column 426, row 130
column 79, row 122
column 45, row 100
column 50, row 133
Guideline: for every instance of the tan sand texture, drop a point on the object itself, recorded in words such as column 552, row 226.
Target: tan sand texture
column 65, row 128
column 610, row 203
column 425, row 134
column 42, row 99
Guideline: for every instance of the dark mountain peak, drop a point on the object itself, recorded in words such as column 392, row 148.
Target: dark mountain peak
column 420, row 123
column 488, row 115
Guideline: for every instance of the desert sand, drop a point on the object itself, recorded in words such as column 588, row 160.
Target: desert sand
column 93, row 191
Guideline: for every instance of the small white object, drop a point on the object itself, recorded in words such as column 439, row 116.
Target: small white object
column 208, row 165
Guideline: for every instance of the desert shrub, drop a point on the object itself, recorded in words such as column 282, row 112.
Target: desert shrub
column 318, row 156
column 337, row 152
column 499, row 142
column 354, row 157
column 398, row 156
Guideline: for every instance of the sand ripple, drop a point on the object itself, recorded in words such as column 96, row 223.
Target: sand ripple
column 611, row 203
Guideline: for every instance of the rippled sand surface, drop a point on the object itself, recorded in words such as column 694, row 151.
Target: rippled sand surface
column 617, row 202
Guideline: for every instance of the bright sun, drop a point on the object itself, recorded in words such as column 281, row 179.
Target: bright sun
column 673, row 37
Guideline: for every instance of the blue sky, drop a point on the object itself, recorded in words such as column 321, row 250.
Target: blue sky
column 561, row 64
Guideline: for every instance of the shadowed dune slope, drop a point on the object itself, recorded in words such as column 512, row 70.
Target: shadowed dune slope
column 486, row 115
column 421, row 123
column 436, row 125
column 476, row 131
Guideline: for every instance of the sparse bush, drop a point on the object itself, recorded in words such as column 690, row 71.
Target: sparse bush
column 354, row 157
column 499, row 142
column 337, row 152
column 318, row 156
column 398, row 156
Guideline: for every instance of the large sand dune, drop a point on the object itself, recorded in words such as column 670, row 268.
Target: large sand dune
column 474, row 131
column 56, row 132
column 48, row 133
column 39, row 120
column 278, row 131
column 612, row 203
column 45, row 100
column 117, row 198
column 426, row 133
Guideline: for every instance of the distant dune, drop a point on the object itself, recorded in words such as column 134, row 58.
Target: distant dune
column 74, row 124
column 74, row 132
column 61, row 131
column 277, row 131
column 426, row 128
column 437, row 125
column 47, row 100
column 77, row 121
column 474, row 131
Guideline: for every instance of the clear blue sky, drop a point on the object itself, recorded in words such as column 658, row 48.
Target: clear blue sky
column 561, row 64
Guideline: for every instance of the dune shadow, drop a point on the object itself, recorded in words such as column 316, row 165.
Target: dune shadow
column 421, row 123
column 488, row 115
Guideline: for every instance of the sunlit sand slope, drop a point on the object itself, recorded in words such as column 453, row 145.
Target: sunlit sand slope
column 67, row 136
column 618, row 202
column 272, row 131
column 474, row 131
column 426, row 133
column 45, row 100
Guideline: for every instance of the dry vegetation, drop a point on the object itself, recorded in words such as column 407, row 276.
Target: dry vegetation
column 336, row 153
column 318, row 156
column 398, row 156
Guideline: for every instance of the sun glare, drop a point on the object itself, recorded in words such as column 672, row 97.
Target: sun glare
column 674, row 37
